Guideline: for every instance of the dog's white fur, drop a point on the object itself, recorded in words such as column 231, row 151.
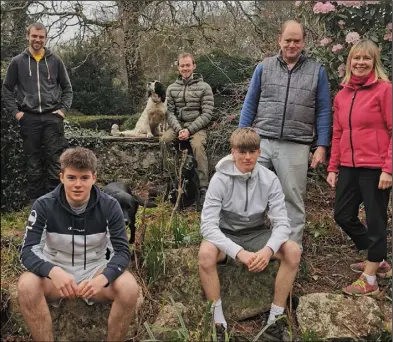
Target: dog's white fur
column 153, row 117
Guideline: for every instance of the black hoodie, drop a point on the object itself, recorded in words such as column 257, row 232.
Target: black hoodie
column 42, row 86
column 57, row 236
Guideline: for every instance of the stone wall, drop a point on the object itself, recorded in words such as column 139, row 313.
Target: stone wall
column 129, row 159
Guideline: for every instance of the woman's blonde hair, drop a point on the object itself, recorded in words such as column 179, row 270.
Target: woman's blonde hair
column 369, row 47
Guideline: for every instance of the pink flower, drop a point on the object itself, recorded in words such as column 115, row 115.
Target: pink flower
column 298, row 3
column 372, row 2
column 341, row 70
column 325, row 41
column 389, row 26
column 337, row 48
column 230, row 117
column 352, row 37
column 321, row 7
column 388, row 36
column 350, row 3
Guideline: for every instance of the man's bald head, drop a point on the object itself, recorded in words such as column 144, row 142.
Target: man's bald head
column 293, row 24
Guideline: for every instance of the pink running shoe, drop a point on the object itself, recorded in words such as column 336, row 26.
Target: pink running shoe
column 361, row 287
column 384, row 269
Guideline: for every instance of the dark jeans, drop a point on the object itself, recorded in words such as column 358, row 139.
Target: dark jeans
column 43, row 142
column 354, row 186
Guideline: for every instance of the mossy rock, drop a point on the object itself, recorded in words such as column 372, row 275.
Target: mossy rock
column 73, row 320
column 244, row 294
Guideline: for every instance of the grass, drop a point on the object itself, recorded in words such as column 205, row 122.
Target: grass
column 12, row 231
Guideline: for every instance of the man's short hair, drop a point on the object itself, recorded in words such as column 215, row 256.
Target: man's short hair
column 245, row 139
column 37, row 26
column 78, row 158
column 284, row 26
column 185, row 55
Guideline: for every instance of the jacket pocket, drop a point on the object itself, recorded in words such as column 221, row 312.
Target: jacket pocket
column 345, row 148
column 30, row 102
column 366, row 148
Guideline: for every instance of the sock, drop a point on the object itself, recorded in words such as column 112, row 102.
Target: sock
column 218, row 314
column 275, row 311
column 370, row 279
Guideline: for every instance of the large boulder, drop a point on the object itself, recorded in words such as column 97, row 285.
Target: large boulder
column 335, row 316
column 244, row 294
column 74, row 320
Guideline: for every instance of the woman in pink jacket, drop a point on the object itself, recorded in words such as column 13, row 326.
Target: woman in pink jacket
column 361, row 161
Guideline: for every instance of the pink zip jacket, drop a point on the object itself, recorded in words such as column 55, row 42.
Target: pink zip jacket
column 362, row 127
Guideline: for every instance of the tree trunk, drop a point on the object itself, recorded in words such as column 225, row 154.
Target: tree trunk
column 129, row 13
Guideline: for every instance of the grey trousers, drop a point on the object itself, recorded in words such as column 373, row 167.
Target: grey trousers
column 290, row 161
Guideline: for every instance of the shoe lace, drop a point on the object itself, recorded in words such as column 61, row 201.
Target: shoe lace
column 359, row 282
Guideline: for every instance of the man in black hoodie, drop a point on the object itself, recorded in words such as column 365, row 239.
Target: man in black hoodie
column 64, row 250
column 37, row 92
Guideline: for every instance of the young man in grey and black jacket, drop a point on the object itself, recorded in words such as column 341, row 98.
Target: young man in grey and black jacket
column 37, row 92
column 68, row 234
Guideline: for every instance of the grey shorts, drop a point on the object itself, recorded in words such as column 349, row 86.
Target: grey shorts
column 251, row 240
column 87, row 275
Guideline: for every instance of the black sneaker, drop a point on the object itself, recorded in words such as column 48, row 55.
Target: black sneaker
column 278, row 331
column 221, row 332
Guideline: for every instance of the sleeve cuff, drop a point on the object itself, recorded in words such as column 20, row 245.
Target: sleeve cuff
column 45, row 269
column 233, row 249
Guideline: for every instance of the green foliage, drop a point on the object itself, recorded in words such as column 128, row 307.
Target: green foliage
column 130, row 123
column 93, row 75
column 223, row 71
column 13, row 164
column 368, row 19
column 310, row 336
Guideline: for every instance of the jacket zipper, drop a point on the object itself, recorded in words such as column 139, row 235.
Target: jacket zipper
column 246, row 206
column 350, row 128
column 39, row 87
column 286, row 100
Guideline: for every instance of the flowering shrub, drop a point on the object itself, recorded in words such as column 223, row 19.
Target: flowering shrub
column 342, row 24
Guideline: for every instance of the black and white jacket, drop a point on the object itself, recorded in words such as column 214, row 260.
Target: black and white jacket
column 57, row 236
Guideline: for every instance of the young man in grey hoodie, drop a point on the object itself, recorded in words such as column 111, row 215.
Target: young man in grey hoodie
column 232, row 225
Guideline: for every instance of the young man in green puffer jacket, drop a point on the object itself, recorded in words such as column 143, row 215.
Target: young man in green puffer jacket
column 190, row 110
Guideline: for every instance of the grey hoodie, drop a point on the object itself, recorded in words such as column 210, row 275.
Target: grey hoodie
column 40, row 86
column 236, row 201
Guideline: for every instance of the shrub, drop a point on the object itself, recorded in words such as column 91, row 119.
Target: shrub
column 343, row 23
column 223, row 71
column 13, row 164
column 94, row 77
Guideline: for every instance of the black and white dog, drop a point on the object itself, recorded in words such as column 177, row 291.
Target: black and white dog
column 152, row 120
column 129, row 203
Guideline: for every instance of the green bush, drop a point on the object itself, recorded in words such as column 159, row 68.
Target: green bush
column 344, row 24
column 223, row 71
column 130, row 122
column 13, row 164
column 94, row 78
